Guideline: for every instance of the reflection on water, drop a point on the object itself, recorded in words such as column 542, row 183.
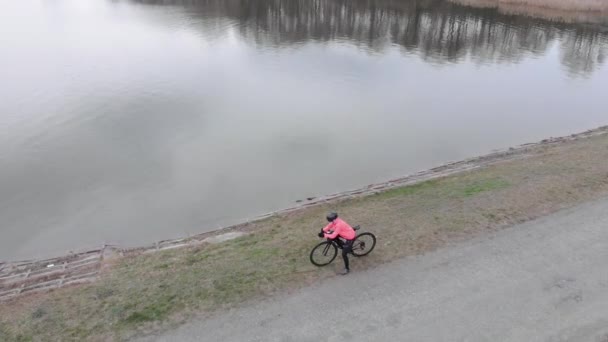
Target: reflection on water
column 134, row 121
column 436, row 30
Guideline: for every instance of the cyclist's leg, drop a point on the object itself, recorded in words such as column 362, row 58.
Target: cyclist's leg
column 347, row 248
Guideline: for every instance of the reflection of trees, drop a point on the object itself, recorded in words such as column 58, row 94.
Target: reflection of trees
column 434, row 29
column 583, row 53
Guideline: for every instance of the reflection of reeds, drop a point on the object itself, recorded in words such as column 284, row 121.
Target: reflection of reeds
column 569, row 11
column 478, row 3
column 564, row 5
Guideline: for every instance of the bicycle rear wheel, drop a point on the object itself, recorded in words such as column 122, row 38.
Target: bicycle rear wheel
column 323, row 253
column 364, row 243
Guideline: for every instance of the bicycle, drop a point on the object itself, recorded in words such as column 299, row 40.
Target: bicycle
column 325, row 252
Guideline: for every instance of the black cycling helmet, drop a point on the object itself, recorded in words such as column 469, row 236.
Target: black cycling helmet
column 332, row 216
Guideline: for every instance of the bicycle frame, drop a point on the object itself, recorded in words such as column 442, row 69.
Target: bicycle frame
column 337, row 241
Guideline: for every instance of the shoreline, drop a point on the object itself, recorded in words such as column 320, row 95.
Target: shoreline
column 589, row 12
column 589, row 6
column 84, row 266
column 442, row 170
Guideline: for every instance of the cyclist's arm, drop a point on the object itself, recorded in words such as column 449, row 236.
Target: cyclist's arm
column 327, row 228
column 333, row 234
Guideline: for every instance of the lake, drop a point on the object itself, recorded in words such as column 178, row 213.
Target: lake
column 128, row 122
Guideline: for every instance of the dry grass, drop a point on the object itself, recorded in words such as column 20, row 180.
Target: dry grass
column 566, row 5
column 155, row 291
column 535, row 6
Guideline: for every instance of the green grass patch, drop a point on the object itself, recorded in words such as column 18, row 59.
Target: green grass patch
column 410, row 189
column 452, row 187
column 156, row 311
column 483, row 186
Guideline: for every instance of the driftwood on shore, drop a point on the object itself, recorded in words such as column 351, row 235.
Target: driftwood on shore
column 25, row 277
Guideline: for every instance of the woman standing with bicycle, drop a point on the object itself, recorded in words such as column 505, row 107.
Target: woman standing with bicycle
column 358, row 244
column 338, row 228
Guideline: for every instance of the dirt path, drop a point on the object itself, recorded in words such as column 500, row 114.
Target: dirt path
column 544, row 280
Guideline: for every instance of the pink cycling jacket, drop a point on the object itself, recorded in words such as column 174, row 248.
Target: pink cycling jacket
column 339, row 228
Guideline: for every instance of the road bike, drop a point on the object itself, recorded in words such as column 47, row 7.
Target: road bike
column 325, row 252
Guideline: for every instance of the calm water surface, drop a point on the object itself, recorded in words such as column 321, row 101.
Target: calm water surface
column 133, row 121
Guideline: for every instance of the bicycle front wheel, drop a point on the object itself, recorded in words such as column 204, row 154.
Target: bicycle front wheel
column 323, row 253
column 364, row 243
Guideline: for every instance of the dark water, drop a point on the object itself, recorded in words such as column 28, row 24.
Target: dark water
column 130, row 122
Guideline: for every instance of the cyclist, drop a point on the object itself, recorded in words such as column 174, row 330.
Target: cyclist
column 336, row 229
